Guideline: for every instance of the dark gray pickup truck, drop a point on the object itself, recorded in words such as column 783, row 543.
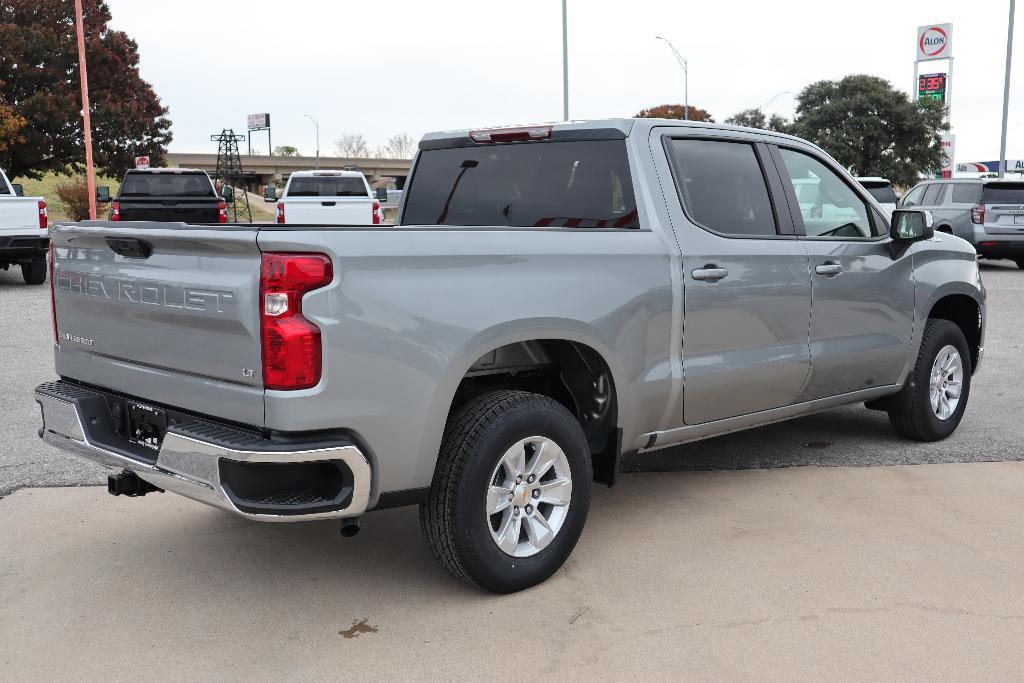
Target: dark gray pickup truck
column 552, row 297
column 166, row 194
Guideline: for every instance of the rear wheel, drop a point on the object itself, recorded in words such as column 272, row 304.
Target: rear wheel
column 34, row 272
column 511, row 492
column 941, row 385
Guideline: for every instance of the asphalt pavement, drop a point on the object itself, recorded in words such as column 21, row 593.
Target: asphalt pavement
column 851, row 436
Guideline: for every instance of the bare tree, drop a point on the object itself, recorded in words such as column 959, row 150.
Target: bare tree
column 399, row 146
column 351, row 146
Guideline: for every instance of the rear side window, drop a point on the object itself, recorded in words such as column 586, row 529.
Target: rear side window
column 167, row 185
column 1003, row 193
column 882, row 192
column 581, row 184
column 312, row 186
column 966, row 193
column 931, row 195
column 722, row 187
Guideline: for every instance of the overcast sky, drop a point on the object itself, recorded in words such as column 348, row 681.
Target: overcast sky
column 409, row 66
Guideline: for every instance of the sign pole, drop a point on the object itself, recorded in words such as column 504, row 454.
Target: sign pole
column 1006, row 91
column 90, row 173
column 565, row 63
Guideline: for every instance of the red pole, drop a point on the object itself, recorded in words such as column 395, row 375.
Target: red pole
column 90, row 173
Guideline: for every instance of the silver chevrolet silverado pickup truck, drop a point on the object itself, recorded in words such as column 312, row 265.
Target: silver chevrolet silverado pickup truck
column 552, row 297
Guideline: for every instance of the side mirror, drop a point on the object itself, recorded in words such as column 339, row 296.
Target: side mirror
column 382, row 194
column 911, row 225
column 102, row 194
column 228, row 193
column 269, row 193
column 19, row 190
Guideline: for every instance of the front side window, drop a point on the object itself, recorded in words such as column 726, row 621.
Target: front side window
column 722, row 187
column 828, row 206
column 557, row 184
column 913, row 198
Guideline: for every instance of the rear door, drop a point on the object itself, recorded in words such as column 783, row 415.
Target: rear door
column 862, row 291
column 143, row 308
column 746, row 289
column 328, row 200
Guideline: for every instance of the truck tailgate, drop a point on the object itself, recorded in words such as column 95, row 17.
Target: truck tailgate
column 19, row 215
column 150, row 309
column 328, row 210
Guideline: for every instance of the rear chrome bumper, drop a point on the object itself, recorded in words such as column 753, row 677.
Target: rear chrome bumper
column 188, row 464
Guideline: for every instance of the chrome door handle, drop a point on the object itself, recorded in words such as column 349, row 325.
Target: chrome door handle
column 828, row 269
column 712, row 274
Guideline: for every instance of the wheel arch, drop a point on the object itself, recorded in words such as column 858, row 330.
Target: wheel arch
column 965, row 312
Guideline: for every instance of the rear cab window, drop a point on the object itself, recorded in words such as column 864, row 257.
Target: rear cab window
column 327, row 186
column 166, row 185
column 882, row 192
column 552, row 184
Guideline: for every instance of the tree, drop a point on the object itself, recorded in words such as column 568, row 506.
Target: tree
column 39, row 78
column 755, row 118
column 872, row 128
column 351, row 146
column 286, row 151
column 11, row 125
column 399, row 146
column 674, row 111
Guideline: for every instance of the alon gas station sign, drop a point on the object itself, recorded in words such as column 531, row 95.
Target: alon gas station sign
column 935, row 41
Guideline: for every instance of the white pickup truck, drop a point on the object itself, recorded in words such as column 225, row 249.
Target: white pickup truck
column 23, row 232
column 328, row 198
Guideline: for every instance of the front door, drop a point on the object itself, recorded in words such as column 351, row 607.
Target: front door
column 746, row 290
column 862, row 289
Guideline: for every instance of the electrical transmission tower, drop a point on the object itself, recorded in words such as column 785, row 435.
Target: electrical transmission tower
column 229, row 174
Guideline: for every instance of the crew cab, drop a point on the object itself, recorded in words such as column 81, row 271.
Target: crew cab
column 553, row 297
column 23, row 232
column 165, row 194
column 328, row 198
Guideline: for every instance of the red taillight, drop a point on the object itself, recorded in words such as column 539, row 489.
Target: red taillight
column 222, row 211
column 115, row 211
column 280, row 212
column 53, row 299
column 377, row 220
column 517, row 134
column 42, row 215
column 292, row 356
column 978, row 214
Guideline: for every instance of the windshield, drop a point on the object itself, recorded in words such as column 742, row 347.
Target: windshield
column 1003, row 193
column 311, row 186
column 882, row 192
column 167, row 185
column 582, row 184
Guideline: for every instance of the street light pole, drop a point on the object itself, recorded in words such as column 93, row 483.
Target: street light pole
column 90, row 173
column 686, row 76
column 1006, row 91
column 565, row 63
column 317, row 126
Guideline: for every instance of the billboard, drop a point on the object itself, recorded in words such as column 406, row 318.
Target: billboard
column 258, row 121
column 934, row 41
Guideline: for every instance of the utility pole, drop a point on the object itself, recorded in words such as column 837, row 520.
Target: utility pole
column 1006, row 91
column 686, row 76
column 317, row 126
column 90, row 173
column 565, row 63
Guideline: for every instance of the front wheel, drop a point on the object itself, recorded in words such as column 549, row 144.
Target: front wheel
column 34, row 272
column 941, row 385
column 511, row 492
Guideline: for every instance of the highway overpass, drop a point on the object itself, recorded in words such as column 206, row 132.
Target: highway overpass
column 262, row 169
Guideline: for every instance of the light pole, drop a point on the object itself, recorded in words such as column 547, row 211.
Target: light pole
column 317, row 126
column 686, row 76
column 565, row 64
column 90, row 172
column 1006, row 91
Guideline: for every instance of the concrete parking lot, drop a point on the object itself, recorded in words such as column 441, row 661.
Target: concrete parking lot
column 841, row 570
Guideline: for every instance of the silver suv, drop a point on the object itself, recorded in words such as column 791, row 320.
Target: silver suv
column 987, row 213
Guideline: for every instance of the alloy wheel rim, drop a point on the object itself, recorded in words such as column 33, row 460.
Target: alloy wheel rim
column 528, row 496
column 946, row 382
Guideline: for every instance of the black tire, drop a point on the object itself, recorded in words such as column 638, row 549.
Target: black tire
column 917, row 420
column 34, row 272
column 454, row 518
